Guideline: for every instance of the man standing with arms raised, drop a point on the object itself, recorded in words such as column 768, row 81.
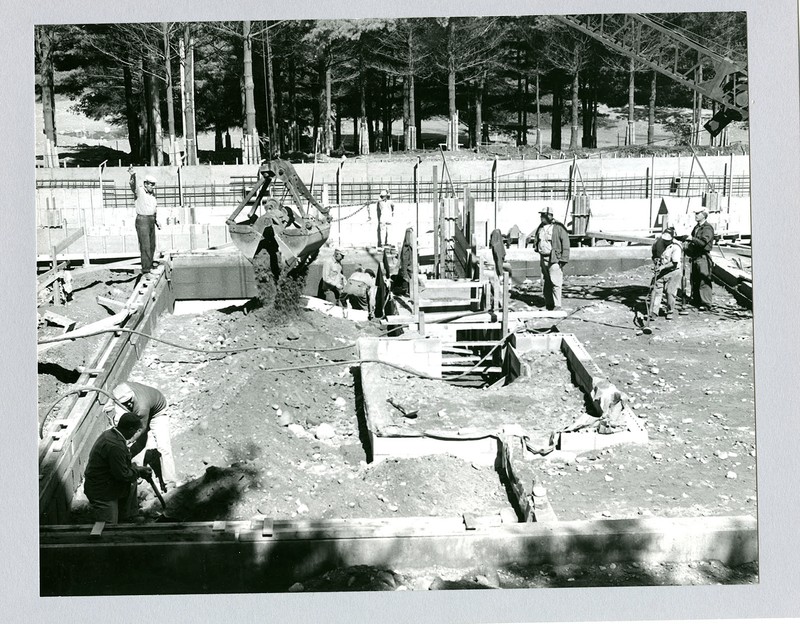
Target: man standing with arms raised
column 144, row 190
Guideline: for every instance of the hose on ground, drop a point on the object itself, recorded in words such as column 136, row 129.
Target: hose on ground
column 76, row 390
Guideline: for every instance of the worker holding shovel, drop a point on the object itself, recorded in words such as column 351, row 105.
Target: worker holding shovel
column 668, row 260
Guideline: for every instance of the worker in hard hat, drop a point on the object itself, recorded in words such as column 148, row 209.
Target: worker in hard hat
column 667, row 255
column 151, row 406
column 698, row 250
column 551, row 241
column 384, row 210
column 144, row 191
column 332, row 283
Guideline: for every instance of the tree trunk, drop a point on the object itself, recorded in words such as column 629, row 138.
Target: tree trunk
column 249, row 86
column 519, row 97
column 249, row 97
column 586, row 116
column 700, row 103
column 406, row 114
column 414, row 120
column 651, row 117
column 387, row 111
column 525, row 112
column 190, row 133
column 411, row 138
column 143, row 114
column 555, row 129
column 451, row 85
column 293, row 134
column 154, row 114
column 362, row 124
column 630, row 134
column 479, row 110
column 417, row 108
column 327, row 130
column 538, row 115
column 218, row 140
column 169, row 96
column 573, row 137
column 44, row 50
column 273, row 119
column 131, row 115
column 594, row 117
column 338, row 130
column 320, row 108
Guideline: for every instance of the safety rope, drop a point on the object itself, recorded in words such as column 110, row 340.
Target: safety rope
column 361, row 207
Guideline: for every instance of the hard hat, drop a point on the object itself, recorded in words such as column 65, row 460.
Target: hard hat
column 338, row 251
column 123, row 393
column 703, row 210
column 546, row 211
column 384, row 193
column 150, row 178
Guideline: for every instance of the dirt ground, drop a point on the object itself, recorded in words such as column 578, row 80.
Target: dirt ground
column 58, row 365
column 250, row 440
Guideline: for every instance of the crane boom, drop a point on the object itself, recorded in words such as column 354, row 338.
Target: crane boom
column 669, row 52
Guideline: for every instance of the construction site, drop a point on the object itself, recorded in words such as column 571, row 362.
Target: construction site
column 461, row 432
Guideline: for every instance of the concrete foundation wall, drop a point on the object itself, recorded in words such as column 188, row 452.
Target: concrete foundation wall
column 355, row 169
column 197, row 559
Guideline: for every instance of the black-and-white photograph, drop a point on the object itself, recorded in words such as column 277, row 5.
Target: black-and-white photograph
column 395, row 304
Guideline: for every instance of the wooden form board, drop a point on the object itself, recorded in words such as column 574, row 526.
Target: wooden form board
column 66, row 242
column 63, row 454
column 47, row 278
column 196, row 559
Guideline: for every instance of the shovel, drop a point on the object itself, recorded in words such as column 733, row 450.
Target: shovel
column 644, row 323
column 163, row 517
column 158, row 494
column 401, row 409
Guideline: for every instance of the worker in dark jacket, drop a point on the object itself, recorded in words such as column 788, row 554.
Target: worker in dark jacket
column 110, row 476
column 551, row 241
column 698, row 250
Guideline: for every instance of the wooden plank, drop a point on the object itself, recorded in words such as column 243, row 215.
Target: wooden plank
column 111, row 304
column 45, row 279
column 61, row 321
column 66, row 242
column 624, row 238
